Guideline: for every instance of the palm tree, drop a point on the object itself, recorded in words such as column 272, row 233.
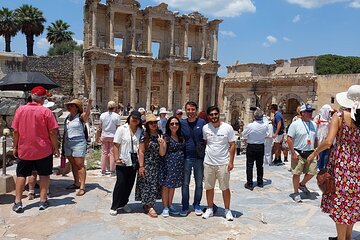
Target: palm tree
column 8, row 26
column 31, row 22
column 58, row 32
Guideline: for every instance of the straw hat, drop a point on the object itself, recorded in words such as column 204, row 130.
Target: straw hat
column 78, row 104
column 151, row 118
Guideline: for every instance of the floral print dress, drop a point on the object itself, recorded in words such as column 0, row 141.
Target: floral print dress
column 343, row 206
column 172, row 172
column 148, row 188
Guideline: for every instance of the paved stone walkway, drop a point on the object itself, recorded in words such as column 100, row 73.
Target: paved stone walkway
column 265, row 213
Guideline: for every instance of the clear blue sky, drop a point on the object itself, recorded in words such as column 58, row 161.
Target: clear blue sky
column 252, row 31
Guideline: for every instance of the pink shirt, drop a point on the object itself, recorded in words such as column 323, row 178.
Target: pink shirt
column 33, row 122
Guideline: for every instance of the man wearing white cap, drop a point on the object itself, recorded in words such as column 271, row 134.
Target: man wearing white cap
column 109, row 122
column 302, row 140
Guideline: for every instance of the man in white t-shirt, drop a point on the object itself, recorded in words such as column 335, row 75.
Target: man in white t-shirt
column 109, row 122
column 219, row 160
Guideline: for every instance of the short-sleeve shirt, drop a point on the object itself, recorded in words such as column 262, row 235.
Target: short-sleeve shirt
column 301, row 132
column 33, row 122
column 123, row 137
column 278, row 117
column 217, row 146
column 109, row 122
column 256, row 132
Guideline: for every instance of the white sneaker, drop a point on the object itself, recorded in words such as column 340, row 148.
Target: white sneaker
column 208, row 213
column 113, row 212
column 165, row 213
column 127, row 209
column 297, row 198
column 228, row 215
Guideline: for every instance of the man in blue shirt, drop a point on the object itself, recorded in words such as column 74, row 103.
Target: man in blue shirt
column 278, row 129
column 191, row 129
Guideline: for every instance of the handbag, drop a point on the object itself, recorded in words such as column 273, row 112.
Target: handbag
column 325, row 181
column 134, row 155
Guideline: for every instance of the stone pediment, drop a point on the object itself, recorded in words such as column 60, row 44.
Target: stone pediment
column 196, row 17
column 124, row 2
column 160, row 10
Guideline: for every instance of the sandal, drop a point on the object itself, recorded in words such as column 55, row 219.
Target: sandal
column 81, row 192
column 152, row 213
column 72, row 186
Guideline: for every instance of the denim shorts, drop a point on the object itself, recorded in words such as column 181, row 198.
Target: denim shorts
column 75, row 147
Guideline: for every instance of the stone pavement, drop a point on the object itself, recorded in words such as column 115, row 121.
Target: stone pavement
column 265, row 213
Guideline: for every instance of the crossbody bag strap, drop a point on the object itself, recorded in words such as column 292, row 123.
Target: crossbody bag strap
column 131, row 137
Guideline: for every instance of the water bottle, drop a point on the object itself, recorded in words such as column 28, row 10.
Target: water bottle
column 62, row 161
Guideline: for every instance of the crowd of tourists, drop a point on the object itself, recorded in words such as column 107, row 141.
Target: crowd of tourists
column 159, row 154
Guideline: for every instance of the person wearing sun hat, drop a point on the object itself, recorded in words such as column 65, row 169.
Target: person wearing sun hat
column 344, row 164
column 34, row 143
column 74, row 142
column 301, row 139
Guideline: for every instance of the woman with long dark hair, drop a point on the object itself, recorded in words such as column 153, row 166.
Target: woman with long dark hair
column 172, row 172
column 148, row 181
column 127, row 139
column 343, row 206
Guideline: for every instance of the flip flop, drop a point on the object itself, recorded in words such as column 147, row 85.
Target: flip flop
column 72, row 186
column 152, row 213
column 81, row 192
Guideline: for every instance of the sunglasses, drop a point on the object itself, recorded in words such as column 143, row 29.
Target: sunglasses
column 174, row 124
column 152, row 122
column 70, row 105
column 179, row 113
column 213, row 114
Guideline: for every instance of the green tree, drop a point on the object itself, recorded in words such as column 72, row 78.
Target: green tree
column 333, row 64
column 8, row 26
column 31, row 22
column 64, row 48
column 58, row 32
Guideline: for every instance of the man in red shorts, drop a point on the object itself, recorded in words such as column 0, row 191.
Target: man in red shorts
column 35, row 142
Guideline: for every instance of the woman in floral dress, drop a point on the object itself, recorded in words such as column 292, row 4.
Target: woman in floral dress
column 173, row 165
column 148, row 187
column 343, row 206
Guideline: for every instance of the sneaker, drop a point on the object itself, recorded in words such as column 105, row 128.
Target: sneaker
column 209, row 213
column 173, row 210
column 43, row 205
column 228, row 215
column 17, row 207
column 184, row 212
column 297, row 198
column 31, row 196
column 113, row 212
column 198, row 210
column 126, row 209
column 279, row 163
column 103, row 173
column 249, row 186
column 304, row 189
column 112, row 174
column 165, row 213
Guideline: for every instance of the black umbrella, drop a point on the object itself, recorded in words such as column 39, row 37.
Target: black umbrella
column 25, row 81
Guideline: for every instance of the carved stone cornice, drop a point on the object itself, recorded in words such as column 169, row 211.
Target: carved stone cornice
column 161, row 11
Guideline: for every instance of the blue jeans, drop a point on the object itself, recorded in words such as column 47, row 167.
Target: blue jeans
column 198, row 165
column 324, row 156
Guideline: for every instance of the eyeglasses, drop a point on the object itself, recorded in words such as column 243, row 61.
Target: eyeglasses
column 213, row 114
column 152, row 122
column 174, row 124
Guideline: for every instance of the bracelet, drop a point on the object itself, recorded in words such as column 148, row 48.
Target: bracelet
column 141, row 166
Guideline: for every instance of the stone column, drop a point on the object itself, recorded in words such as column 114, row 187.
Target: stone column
column 215, row 49
column 148, row 87
column 133, row 87
column 274, row 97
column 186, row 40
column 93, row 82
column 203, row 42
column 111, row 82
column 93, row 29
column 213, row 89
column 183, row 88
column 201, row 92
column 248, row 115
column 170, row 89
column 172, row 23
column 111, row 41
column 149, row 37
column 133, row 32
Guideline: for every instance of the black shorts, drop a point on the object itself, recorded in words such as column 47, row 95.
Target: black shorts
column 43, row 167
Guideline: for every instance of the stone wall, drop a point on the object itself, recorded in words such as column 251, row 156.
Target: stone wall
column 11, row 62
column 66, row 70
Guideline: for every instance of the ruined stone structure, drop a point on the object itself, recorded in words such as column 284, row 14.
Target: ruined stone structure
column 164, row 59
column 11, row 62
column 286, row 83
